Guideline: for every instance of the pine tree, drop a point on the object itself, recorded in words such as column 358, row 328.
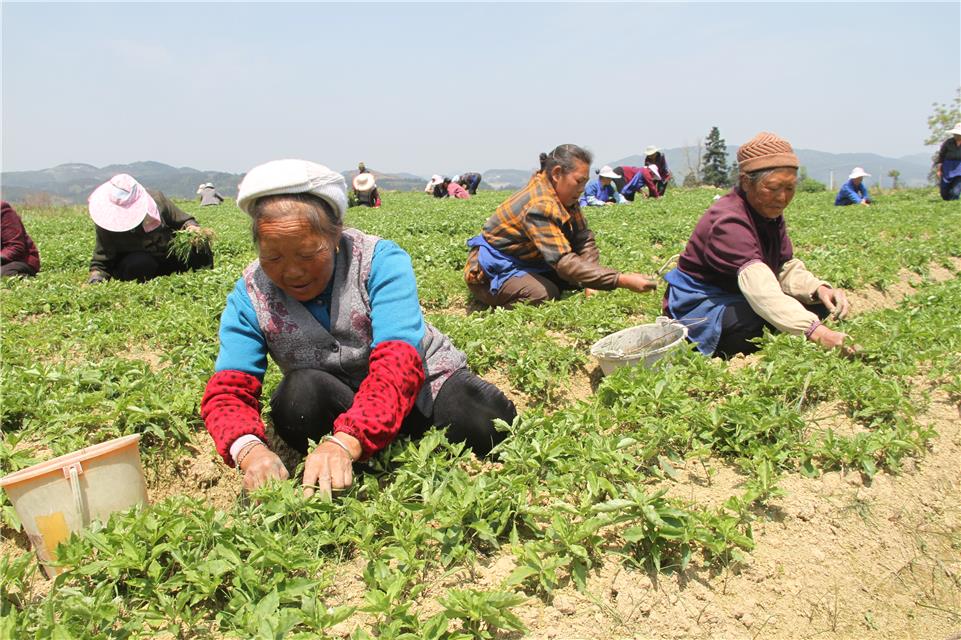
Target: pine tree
column 714, row 171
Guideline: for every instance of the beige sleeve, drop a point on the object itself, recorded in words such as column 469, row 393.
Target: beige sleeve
column 798, row 282
column 764, row 294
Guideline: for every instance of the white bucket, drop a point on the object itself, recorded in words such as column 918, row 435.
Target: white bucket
column 644, row 344
column 58, row 497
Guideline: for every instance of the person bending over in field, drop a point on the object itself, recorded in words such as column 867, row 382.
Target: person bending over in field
column 854, row 190
column 134, row 232
column 948, row 166
column 601, row 191
column 365, row 190
column 738, row 269
column 537, row 242
column 208, row 196
column 337, row 310
column 19, row 256
column 644, row 177
column 456, row 190
column 470, row 181
column 654, row 156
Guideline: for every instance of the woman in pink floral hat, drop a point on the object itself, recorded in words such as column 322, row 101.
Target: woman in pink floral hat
column 134, row 231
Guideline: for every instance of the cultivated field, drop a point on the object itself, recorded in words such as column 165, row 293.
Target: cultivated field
column 791, row 494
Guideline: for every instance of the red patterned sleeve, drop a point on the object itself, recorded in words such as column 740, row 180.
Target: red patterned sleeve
column 385, row 397
column 231, row 408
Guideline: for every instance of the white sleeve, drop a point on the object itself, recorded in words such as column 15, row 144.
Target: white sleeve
column 799, row 283
column 763, row 292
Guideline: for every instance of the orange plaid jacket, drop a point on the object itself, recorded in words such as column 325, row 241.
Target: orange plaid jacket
column 532, row 225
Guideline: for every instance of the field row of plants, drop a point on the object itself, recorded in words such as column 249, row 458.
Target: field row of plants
column 578, row 481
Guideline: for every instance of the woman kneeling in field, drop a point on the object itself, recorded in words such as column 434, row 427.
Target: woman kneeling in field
column 537, row 242
column 738, row 269
column 337, row 310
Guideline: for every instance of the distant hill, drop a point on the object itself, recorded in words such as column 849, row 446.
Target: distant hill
column 819, row 164
column 73, row 183
column 502, row 179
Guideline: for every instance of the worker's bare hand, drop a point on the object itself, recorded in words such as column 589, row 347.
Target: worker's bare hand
column 835, row 300
column 330, row 468
column 260, row 465
column 827, row 338
column 636, row 282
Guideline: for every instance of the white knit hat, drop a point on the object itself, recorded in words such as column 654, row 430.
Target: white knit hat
column 291, row 177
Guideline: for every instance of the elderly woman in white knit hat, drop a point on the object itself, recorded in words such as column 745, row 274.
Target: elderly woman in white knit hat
column 738, row 274
column 854, row 191
column 337, row 310
column 135, row 230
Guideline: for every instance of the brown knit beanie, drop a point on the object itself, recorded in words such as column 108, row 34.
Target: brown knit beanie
column 766, row 151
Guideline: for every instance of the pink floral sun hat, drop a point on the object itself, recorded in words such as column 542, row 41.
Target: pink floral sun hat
column 121, row 203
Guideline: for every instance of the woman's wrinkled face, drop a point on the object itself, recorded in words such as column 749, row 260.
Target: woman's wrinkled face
column 771, row 195
column 569, row 186
column 295, row 257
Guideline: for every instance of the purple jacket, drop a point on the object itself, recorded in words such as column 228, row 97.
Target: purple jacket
column 730, row 236
column 15, row 243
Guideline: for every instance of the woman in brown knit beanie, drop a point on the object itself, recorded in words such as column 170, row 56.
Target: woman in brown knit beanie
column 738, row 269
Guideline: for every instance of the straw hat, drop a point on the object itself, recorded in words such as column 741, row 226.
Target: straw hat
column 956, row 131
column 650, row 150
column 607, row 172
column 121, row 203
column 290, row 177
column 859, row 173
column 363, row 182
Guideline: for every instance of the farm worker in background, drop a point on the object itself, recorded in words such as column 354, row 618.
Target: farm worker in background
column 600, row 191
column 208, row 195
column 365, row 189
column 949, row 165
column 644, row 177
column 738, row 269
column 432, row 184
column 361, row 167
column 456, row 190
column 624, row 175
column 854, row 191
column 653, row 155
column 337, row 310
column 18, row 254
column 537, row 242
column 134, row 231
column 470, row 181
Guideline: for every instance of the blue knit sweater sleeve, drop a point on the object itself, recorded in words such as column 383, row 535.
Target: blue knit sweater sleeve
column 394, row 306
column 242, row 344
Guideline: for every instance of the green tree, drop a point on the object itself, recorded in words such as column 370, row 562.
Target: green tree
column 734, row 174
column 894, row 174
column 714, row 164
column 945, row 116
column 807, row 184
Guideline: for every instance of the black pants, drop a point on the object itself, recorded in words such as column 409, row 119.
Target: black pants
column 307, row 402
column 141, row 266
column 950, row 189
column 17, row 269
column 740, row 324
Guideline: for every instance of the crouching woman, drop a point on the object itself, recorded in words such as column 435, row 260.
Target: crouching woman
column 337, row 310
column 738, row 273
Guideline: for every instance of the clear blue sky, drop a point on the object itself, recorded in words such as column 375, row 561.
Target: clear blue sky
column 450, row 87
